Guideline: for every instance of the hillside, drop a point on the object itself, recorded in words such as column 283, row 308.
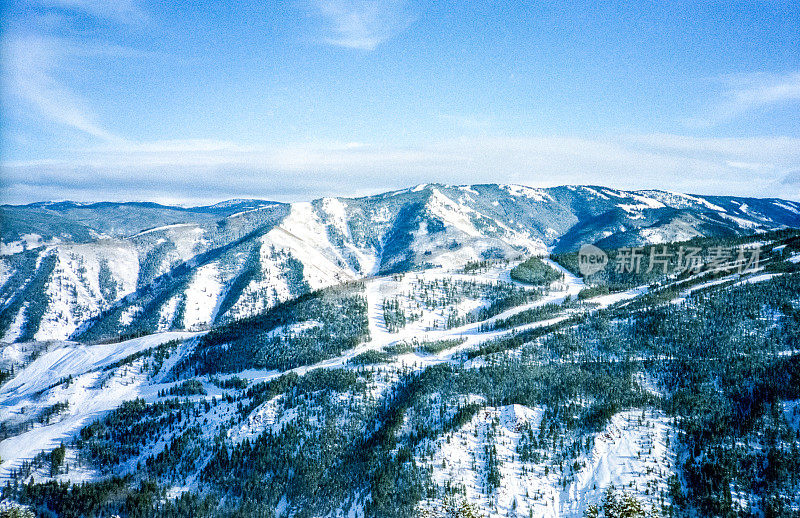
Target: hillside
column 407, row 394
column 366, row 366
column 95, row 271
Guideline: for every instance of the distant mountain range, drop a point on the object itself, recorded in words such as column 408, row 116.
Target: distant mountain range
column 93, row 271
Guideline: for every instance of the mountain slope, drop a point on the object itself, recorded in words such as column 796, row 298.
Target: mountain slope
column 94, row 271
column 677, row 395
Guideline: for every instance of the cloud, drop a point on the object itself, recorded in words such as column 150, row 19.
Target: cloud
column 792, row 178
column 125, row 12
column 36, row 61
column 33, row 66
column 744, row 93
column 191, row 170
column 772, row 149
column 363, row 24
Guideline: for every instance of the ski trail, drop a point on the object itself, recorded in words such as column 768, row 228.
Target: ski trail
column 380, row 337
column 377, row 325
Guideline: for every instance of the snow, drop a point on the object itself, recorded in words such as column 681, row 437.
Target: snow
column 59, row 319
column 526, row 192
column 452, row 214
column 250, row 211
column 129, row 314
column 632, row 451
column 15, row 353
column 337, row 210
column 626, row 454
column 631, row 209
column 459, row 221
column 647, row 201
column 685, row 293
column 71, row 358
column 294, row 328
column 73, row 291
column 680, row 200
column 260, row 295
column 378, row 289
column 337, row 214
column 613, row 193
column 790, row 206
column 165, row 227
column 743, row 223
column 401, row 191
column 303, row 235
column 11, row 248
column 656, row 235
column 166, row 314
column 262, row 418
column 202, row 296
column 237, row 201
column 642, row 203
column 594, row 192
column 757, row 278
column 27, row 242
column 791, row 411
column 92, row 392
column 188, row 240
column 17, row 326
column 6, row 271
column 614, row 298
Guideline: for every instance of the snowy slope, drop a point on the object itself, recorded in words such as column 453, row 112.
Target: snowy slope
column 90, row 393
column 632, row 452
column 177, row 268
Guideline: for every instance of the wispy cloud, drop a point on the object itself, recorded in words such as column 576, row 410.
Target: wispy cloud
column 31, row 75
column 126, row 12
column 34, row 69
column 363, row 24
column 37, row 62
column 743, row 93
column 195, row 168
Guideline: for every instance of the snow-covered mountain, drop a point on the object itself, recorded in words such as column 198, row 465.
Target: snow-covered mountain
column 92, row 271
column 495, row 388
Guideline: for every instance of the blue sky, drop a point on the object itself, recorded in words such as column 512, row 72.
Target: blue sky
column 202, row 101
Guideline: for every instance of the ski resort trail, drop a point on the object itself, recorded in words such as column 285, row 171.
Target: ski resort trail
column 471, row 334
column 86, row 363
column 74, row 374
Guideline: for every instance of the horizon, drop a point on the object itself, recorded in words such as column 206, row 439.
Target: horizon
column 219, row 201
column 181, row 104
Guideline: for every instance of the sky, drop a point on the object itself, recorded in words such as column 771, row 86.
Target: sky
column 196, row 102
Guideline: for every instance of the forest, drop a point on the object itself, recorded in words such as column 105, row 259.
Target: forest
column 719, row 361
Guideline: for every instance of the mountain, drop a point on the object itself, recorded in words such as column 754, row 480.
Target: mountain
column 432, row 352
column 99, row 270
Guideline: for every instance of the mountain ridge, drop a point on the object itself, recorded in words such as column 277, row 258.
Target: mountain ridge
column 91, row 271
column 396, row 356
